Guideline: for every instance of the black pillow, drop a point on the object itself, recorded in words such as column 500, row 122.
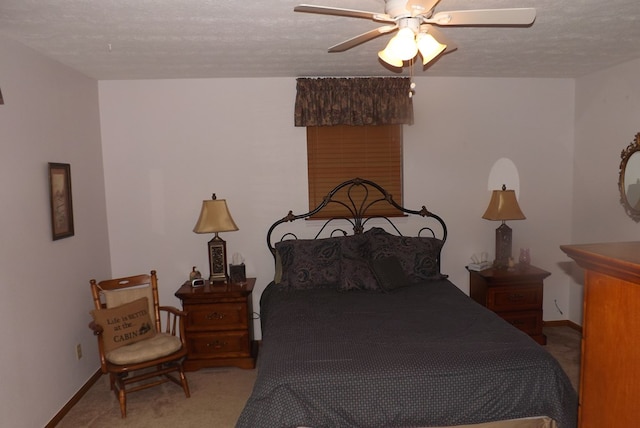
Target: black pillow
column 389, row 273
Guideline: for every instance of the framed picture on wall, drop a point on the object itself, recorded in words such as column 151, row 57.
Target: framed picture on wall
column 61, row 205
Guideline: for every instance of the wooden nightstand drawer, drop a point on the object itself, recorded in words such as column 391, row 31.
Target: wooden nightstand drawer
column 227, row 344
column 219, row 316
column 219, row 325
column 514, row 298
column 528, row 321
column 516, row 295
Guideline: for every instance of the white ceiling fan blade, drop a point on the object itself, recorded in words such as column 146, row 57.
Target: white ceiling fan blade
column 337, row 11
column 518, row 16
column 406, row 8
column 364, row 37
column 439, row 36
column 421, row 6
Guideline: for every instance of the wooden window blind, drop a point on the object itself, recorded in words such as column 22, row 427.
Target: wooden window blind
column 339, row 153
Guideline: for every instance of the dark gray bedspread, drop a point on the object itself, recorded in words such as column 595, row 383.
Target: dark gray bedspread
column 425, row 355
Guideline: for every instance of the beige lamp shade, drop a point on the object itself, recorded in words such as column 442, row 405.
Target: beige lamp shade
column 503, row 206
column 215, row 217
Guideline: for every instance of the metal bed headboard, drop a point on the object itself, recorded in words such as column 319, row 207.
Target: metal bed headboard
column 358, row 212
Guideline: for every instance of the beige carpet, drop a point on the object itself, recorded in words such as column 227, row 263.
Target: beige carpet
column 564, row 344
column 218, row 395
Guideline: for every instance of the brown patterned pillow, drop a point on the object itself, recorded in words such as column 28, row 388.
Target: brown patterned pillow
column 125, row 324
column 355, row 273
column 309, row 263
column 418, row 256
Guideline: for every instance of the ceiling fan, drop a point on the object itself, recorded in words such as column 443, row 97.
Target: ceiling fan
column 415, row 22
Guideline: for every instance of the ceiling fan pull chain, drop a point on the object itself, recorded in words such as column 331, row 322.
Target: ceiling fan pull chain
column 412, row 86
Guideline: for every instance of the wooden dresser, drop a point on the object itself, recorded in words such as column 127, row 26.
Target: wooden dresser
column 515, row 295
column 609, row 393
column 219, row 325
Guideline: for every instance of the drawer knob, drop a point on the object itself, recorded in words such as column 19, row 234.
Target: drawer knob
column 215, row 316
column 217, row 344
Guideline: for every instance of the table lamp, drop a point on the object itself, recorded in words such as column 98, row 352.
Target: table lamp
column 503, row 206
column 214, row 218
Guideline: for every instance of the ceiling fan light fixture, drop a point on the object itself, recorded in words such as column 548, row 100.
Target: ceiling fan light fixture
column 408, row 17
column 403, row 45
column 389, row 58
column 429, row 47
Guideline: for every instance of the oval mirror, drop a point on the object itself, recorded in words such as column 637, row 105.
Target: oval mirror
column 629, row 180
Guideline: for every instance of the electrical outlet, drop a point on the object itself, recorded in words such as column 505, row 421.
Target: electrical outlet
column 78, row 351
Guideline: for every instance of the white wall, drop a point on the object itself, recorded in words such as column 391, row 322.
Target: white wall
column 607, row 112
column 50, row 115
column 168, row 144
column 463, row 126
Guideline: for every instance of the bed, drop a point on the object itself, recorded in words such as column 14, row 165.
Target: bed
column 362, row 330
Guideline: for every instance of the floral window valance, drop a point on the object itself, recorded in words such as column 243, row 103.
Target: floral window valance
column 353, row 101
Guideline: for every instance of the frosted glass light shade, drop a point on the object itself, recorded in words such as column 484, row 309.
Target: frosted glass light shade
column 388, row 57
column 429, row 47
column 403, row 44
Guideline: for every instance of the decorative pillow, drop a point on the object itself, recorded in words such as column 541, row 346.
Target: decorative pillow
column 309, row 263
column 125, row 324
column 355, row 273
column 113, row 298
column 389, row 273
column 277, row 277
column 418, row 256
column 372, row 235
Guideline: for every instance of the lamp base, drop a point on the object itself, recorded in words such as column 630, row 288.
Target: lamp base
column 503, row 247
column 217, row 260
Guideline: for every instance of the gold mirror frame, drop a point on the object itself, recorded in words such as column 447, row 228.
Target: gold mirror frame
column 633, row 210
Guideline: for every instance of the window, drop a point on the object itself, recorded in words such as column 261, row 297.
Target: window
column 339, row 153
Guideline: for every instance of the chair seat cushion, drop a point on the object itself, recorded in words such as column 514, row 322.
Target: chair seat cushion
column 158, row 346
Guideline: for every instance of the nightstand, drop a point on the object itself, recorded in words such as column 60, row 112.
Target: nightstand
column 219, row 325
column 515, row 295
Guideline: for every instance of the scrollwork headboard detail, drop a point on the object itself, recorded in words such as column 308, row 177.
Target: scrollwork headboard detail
column 359, row 213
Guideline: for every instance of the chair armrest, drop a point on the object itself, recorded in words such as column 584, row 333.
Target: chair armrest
column 174, row 322
column 97, row 328
column 173, row 310
column 97, row 331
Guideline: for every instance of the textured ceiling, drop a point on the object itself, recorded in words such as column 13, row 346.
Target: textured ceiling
column 147, row 39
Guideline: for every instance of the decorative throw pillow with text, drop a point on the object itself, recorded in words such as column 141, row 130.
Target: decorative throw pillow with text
column 125, row 324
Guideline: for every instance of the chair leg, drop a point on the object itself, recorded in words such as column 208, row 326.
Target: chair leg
column 183, row 381
column 122, row 398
